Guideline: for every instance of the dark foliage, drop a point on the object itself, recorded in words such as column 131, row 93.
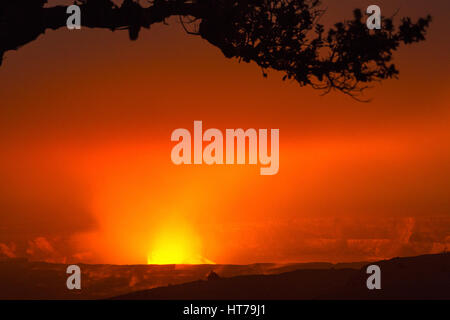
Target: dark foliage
column 284, row 35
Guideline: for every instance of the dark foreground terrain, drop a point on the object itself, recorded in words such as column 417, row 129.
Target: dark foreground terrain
column 22, row 279
column 422, row 277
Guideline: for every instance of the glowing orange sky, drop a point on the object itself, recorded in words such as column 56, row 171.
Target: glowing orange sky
column 86, row 175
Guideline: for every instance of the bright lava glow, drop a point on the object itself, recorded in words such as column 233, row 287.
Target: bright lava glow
column 176, row 247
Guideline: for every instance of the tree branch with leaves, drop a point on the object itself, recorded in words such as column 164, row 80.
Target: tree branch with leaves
column 283, row 35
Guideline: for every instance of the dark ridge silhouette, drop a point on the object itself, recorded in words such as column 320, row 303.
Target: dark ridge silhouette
column 422, row 277
column 283, row 35
column 23, row 279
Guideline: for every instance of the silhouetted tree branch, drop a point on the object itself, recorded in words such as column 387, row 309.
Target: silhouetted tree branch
column 283, row 35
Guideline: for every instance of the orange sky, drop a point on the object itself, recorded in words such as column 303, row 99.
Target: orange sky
column 85, row 172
